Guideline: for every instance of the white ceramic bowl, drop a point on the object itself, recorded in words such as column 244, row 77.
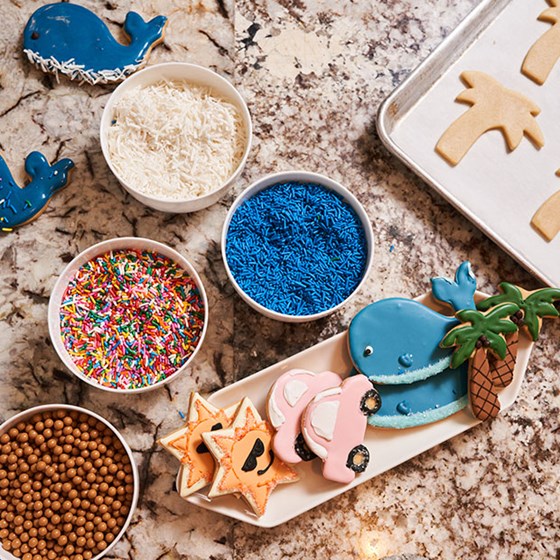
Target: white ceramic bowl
column 194, row 74
column 29, row 413
column 94, row 251
column 302, row 177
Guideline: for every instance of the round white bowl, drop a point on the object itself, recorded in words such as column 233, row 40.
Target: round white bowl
column 302, row 177
column 29, row 413
column 68, row 273
column 193, row 74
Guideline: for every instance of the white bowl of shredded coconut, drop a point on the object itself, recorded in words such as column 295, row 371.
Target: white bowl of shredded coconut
column 176, row 136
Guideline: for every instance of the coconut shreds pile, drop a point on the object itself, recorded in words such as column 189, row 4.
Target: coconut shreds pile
column 175, row 140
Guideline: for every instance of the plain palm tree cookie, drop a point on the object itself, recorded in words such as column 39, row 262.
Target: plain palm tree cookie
column 493, row 107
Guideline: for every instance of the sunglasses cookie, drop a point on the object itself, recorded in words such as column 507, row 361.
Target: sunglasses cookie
column 245, row 461
column 287, row 400
column 20, row 205
column 72, row 40
column 334, row 425
column 186, row 444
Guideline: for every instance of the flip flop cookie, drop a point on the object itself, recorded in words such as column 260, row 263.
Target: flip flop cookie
column 245, row 461
column 186, row 444
column 20, row 205
column 72, row 40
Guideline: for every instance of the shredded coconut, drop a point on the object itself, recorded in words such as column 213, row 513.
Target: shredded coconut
column 175, row 140
column 78, row 72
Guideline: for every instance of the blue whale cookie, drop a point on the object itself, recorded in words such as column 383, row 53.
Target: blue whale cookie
column 70, row 39
column 395, row 343
column 21, row 205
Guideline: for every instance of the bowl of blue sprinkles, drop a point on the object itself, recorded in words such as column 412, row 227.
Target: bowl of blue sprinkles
column 297, row 246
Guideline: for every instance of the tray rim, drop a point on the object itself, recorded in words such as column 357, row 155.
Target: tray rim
column 383, row 118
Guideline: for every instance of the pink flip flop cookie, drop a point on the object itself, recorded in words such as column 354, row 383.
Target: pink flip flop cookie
column 334, row 425
column 287, row 400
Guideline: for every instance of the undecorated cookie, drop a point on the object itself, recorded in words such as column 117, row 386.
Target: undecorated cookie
column 493, row 107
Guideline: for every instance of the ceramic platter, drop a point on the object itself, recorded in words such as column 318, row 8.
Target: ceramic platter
column 388, row 447
column 498, row 191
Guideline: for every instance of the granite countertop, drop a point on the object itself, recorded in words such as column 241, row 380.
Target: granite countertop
column 313, row 76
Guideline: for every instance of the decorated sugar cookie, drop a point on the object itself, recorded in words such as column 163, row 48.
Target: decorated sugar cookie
column 395, row 343
column 533, row 308
column 69, row 39
column 246, row 462
column 493, row 106
column 287, row 400
column 334, row 425
column 197, row 464
column 479, row 333
column 20, row 205
column 545, row 52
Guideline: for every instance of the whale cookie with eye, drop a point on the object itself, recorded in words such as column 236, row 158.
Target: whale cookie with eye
column 287, row 400
column 395, row 343
column 70, row 39
column 20, row 205
column 186, row 444
column 246, row 462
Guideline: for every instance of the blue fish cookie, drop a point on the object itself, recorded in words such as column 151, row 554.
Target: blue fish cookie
column 20, row 205
column 70, row 39
column 395, row 343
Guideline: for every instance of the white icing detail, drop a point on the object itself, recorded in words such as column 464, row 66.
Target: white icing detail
column 323, row 419
column 175, row 140
column 327, row 393
column 319, row 450
column 274, row 414
column 76, row 71
column 293, row 390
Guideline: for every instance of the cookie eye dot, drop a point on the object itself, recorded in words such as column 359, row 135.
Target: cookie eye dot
column 34, row 35
column 368, row 351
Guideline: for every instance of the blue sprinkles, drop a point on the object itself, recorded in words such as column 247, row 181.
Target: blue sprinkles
column 296, row 248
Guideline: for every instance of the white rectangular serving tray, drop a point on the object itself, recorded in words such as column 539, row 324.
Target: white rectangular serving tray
column 388, row 447
column 498, row 191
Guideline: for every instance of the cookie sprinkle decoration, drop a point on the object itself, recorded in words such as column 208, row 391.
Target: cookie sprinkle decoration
column 130, row 319
column 296, row 248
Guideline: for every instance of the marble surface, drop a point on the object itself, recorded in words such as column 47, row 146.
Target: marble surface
column 313, row 74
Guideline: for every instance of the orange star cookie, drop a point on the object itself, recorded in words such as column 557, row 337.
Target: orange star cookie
column 246, row 463
column 197, row 464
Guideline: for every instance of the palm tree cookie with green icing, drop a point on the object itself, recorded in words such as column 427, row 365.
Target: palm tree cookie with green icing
column 493, row 107
column 533, row 308
column 479, row 333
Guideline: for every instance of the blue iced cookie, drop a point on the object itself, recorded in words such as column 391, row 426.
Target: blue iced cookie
column 70, row 39
column 19, row 205
column 395, row 342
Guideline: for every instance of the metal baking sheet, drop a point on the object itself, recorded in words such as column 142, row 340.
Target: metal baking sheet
column 499, row 191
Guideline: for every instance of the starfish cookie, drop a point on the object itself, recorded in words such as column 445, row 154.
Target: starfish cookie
column 246, row 463
column 197, row 464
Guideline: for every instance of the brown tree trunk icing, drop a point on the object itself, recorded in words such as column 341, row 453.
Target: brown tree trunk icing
column 542, row 56
column 483, row 398
column 501, row 371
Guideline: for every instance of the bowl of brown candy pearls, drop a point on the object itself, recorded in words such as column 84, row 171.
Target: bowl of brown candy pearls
column 68, row 485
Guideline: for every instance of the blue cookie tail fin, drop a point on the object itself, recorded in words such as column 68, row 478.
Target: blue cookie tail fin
column 459, row 293
column 144, row 32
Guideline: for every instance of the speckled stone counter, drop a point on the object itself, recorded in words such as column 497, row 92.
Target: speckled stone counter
column 313, row 74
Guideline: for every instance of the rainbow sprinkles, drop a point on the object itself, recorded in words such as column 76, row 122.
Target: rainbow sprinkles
column 130, row 319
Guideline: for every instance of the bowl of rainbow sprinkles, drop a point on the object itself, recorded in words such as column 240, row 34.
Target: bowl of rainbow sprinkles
column 128, row 315
column 176, row 136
